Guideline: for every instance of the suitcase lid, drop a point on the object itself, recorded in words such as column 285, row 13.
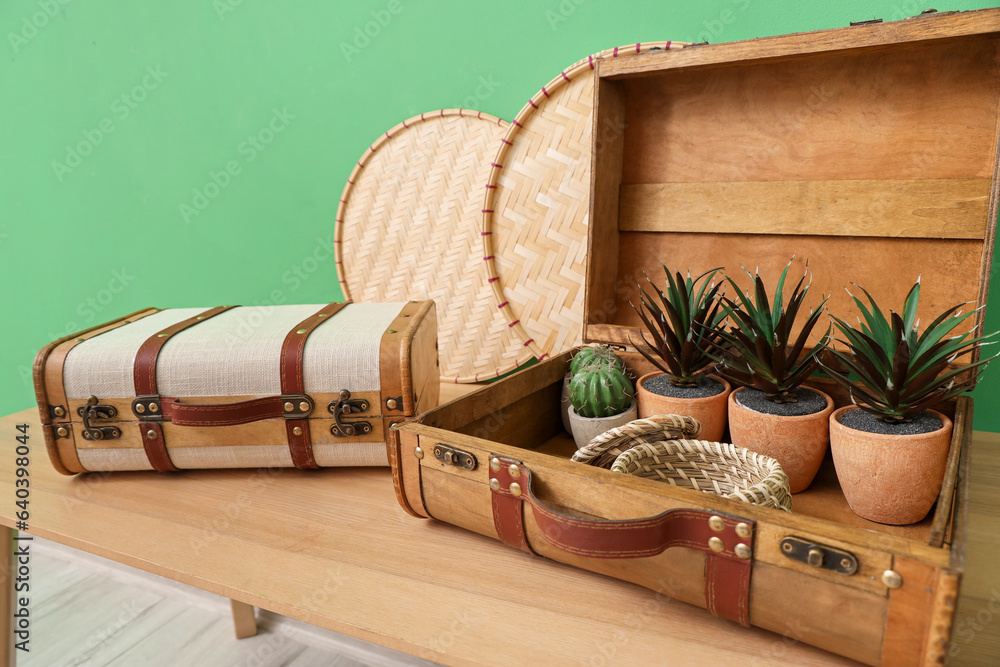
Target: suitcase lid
column 869, row 152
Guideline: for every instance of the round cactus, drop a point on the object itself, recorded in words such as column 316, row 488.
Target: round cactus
column 597, row 353
column 600, row 389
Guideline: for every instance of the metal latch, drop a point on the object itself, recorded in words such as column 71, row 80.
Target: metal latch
column 345, row 405
column 94, row 411
column 455, row 457
column 820, row 556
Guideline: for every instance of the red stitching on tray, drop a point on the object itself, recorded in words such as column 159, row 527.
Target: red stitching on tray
column 637, row 46
column 479, row 115
column 486, row 259
column 509, row 143
column 405, row 125
column 498, row 166
column 421, row 116
column 503, row 304
column 350, row 181
column 487, row 210
column 564, row 75
column 387, row 136
column 513, row 323
column 545, row 92
column 529, row 341
column 361, row 165
column 490, row 186
column 591, row 61
column 516, row 123
column 485, row 233
column 616, row 52
column 493, row 279
column 668, row 44
column 459, row 114
column 543, row 356
column 442, row 112
column 532, row 103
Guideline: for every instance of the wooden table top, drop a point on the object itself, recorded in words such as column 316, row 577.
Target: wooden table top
column 332, row 547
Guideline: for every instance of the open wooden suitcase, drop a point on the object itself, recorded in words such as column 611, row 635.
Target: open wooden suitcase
column 294, row 385
column 871, row 153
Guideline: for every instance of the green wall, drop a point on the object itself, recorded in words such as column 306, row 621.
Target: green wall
column 192, row 152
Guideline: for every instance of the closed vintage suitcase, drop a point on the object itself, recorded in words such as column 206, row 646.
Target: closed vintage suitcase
column 869, row 151
column 230, row 387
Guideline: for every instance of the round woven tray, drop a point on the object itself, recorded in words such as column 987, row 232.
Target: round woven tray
column 712, row 467
column 408, row 228
column 536, row 209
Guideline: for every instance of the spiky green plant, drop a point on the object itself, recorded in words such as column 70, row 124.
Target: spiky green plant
column 683, row 323
column 894, row 371
column 596, row 353
column 600, row 389
column 761, row 352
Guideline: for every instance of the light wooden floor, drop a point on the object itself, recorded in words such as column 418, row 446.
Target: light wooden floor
column 90, row 611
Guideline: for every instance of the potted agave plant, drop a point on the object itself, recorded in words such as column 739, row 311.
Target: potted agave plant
column 683, row 322
column 890, row 448
column 585, row 356
column 601, row 397
column 772, row 413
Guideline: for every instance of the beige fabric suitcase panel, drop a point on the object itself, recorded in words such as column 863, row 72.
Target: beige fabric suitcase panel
column 235, row 353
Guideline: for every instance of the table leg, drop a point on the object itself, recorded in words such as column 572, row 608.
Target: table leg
column 7, row 567
column 244, row 621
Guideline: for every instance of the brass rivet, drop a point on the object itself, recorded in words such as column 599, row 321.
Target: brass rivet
column 515, row 489
column 514, row 471
column 161, row 335
column 419, row 453
column 787, row 547
column 494, row 464
column 845, row 563
column 301, row 331
column 151, row 434
column 140, row 408
column 742, row 551
column 716, row 545
column 153, row 407
column 62, row 432
column 391, row 403
column 716, row 523
column 494, row 483
column 744, row 531
column 892, row 579
column 303, row 406
column 297, row 431
column 289, row 407
column 59, row 411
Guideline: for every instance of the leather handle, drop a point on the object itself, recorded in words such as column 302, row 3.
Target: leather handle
column 727, row 541
column 228, row 414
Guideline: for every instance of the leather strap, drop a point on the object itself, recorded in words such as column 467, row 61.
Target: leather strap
column 223, row 414
column 144, row 372
column 292, row 382
column 727, row 576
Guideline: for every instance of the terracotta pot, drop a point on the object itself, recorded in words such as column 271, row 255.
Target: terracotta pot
column 709, row 411
column 798, row 443
column 891, row 479
column 585, row 429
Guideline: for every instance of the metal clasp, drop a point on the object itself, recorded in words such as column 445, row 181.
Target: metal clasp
column 346, row 405
column 455, row 457
column 819, row 556
column 94, row 411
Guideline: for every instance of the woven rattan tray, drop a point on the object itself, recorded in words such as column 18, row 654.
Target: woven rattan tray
column 536, row 209
column 408, row 228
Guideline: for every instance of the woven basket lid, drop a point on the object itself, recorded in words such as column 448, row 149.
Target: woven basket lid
column 537, row 207
column 408, row 228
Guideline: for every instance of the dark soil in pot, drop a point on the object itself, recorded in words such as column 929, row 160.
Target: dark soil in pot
column 706, row 387
column 923, row 422
column 809, row 403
